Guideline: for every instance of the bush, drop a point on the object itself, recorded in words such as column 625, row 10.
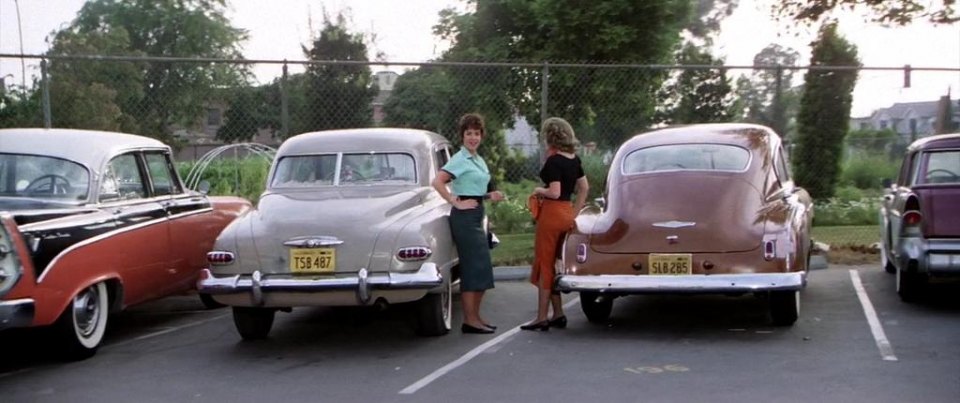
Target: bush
column 596, row 171
column 836, row 212
column 865, row 172
column 246, row 177
column 511, row 216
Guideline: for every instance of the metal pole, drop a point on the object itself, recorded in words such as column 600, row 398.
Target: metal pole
column 284, row 112
column 544, row 91
column 45, row 84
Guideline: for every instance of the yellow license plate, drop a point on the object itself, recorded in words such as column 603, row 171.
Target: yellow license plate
column 313, row 260
column 670, row 264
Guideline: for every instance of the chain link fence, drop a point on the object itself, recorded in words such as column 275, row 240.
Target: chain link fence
column 199, row 104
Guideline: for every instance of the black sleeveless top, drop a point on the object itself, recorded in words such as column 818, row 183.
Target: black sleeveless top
column 561, row 169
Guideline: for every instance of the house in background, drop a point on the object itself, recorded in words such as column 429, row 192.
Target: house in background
column 913, row 120
column 385, row 82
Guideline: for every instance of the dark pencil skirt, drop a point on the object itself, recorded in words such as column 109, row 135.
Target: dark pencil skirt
column 476, row 269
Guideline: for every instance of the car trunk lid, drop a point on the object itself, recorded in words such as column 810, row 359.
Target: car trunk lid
column 939, row 206
column 686, row 212
column 348, row 221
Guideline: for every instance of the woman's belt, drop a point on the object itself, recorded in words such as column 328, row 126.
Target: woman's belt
column 479, row 199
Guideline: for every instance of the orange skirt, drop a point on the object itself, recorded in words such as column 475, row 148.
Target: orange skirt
column 556, row 218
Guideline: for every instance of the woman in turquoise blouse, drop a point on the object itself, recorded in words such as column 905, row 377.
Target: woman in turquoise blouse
column 470, row 186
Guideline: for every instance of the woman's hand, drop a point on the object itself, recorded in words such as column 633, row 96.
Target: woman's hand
column 466, row 204
column 496, row 196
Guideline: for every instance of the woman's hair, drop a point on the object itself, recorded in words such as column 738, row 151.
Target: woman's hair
column 559, row 134
column 471, row 121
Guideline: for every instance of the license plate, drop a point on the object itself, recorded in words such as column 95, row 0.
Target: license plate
column 670, row 264
column 313, row 260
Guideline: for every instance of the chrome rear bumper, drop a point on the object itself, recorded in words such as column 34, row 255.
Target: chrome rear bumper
column 706, row 284
column 363, row 282
column 16, row 313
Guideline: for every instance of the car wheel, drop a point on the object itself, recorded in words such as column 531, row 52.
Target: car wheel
column 83, row 323
column 253, row 323
column 596, row 308
column 910, row 285
column 434, row 312
column 784, row 307
column 209, row 302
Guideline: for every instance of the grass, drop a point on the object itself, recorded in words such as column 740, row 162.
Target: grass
column 517, row 249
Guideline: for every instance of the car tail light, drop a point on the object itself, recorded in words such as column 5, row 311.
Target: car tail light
column 220, row 258
column 10, row 266
column 912, row 218
column 413, row 253
column 769, row 249
column 581, row 253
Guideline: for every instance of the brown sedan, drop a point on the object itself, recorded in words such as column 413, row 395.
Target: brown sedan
column 694, row 209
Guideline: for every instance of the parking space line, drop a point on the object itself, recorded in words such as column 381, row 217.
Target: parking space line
column 414, row 387
column 886, row 350
column 167, row 330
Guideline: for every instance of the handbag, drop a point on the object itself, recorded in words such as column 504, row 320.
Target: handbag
column 533, row 204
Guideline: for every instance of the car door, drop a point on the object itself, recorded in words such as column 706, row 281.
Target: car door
column 191, row 223
column 141, row 245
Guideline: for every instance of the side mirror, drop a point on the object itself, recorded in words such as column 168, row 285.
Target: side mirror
column 886, row 182
column 204, row 187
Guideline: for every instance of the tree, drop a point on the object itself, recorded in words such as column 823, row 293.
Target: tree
column 824, row 115
column 421, row 99
column 698, row 95
column 617, row 102
column 767, row 96
column 155, row 98
column 340, row 94
column 871, row 141
column 886, row 12
column 20, row 108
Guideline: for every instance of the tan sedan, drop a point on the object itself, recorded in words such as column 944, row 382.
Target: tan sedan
column 694, row 209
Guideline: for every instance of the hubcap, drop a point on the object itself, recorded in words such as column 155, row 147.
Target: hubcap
column 86, row 311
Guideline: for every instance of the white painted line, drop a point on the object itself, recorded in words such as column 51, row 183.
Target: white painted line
column 414, row 387
column 168, row 330
column 886, row 350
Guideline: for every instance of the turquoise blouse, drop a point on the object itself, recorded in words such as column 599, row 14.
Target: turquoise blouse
column 470, row 174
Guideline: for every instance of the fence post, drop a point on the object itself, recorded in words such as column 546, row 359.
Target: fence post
column 284, row 111
column 45, row 84
column 544, row 91
column 779, row 113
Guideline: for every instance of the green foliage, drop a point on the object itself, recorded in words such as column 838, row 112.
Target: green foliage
column 20, row 109
column 766, row 96
column 886, row 12
column 836, row 211
column 824, row 114
column 866, row 171
column 340, row 94
column 871, row 141
column 697, row 95
column 421, row 100
column 246, row 178
column 596, row 171
column 142, row 98
column 616, row 105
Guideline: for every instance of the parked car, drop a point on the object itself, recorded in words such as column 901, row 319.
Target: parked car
column 694, row 209
column 348, row 218
column 94, row 222
column 920, row 216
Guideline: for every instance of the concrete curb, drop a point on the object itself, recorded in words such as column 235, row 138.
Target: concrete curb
column 518, row 273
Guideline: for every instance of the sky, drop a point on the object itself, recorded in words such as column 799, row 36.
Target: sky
column 402, row 31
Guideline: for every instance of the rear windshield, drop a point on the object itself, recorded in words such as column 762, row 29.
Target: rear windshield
column 345, row 170
column 941, row 167
column 40, row 177
column 687, row 157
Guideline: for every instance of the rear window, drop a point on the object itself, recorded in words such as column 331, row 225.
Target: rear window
column 40, row 177
column 942, row 167
column 345, row 169
column 687, row 157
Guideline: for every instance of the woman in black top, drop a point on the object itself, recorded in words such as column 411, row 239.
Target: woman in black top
column 562, row 175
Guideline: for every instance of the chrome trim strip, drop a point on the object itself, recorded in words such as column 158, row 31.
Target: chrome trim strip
column 16, row 313
column 363, row 282
column 312, row 241
column 98, row 238
column 698, row 283
column 674, row 224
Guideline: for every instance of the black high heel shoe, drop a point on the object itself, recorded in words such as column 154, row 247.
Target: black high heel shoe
column 490, row 326
column 465, row 328
column 558, row 322
column 542, row 326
